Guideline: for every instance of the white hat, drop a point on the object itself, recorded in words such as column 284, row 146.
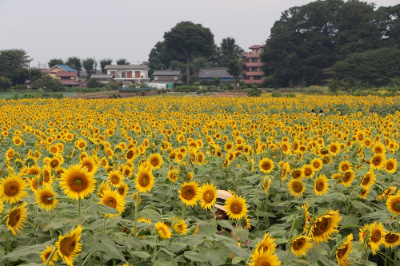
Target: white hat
column 222, row 196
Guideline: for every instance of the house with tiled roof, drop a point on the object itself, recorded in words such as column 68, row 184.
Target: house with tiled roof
column 168, row 77
column 209, row 73
column 65, row 74
column 129, row 74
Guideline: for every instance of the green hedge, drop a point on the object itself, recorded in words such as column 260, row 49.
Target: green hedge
column 86, row 89
column 135, row 89
column 187, row 88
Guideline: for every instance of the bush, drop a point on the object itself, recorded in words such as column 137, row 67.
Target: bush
column 186, row 88
column 279, row 94
column 254, row 92
column 48, row 83
column 113, row 85
column 316, row 89
column 18, row 87
column 135, row 85
column 38, row 95
column 5, row 83
column 197, row 83
column 94, row 83
column 70, row 89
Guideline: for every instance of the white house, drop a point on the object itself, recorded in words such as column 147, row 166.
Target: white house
column 129, row 74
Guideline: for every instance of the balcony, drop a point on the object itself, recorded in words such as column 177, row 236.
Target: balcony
column 248, row 81
column 253, row 64
column 254, row 73
column 247, row 55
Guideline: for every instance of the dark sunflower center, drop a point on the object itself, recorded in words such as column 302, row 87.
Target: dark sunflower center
column 389, row 166
column 376, row 236
column 11, row 188
column 188, row 193
column 14, row 218
column 322, row 226
column 208, row 197
column 396, row 206
column 391, row 238
column 236, row 208
column 266, row 166
column 45, row 198
column 299, row 244
column 144, row 180
column 297, row 187
column 111, row 202
column 320, row 186
column 366, row 180
column 78, row 181
column 54, row 164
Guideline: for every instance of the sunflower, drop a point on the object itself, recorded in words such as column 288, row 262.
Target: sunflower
column 307, row 217
column 379, row 148
column 208, row 196
column 391, row 239
column 46, row 254
column 16, row 217
column 123, row 189
column 266, row 165
column 344, row 166
column 383, row 196
column 297, row 173
column 10, row 154
column 144, row 178
column 266, row 245
column 173, row 175
column 163, row 230
column 378, row 161
column 77, row 183
column 376, row 236
column 235, row 207
column 12, row 189
column 317, row 164
column 47, row 176
column 364, row 193
column 259, row 258
column 155, row 160
column 347, row 178
column 285, row 171
column 89, row 164
column 113, row 199
column 393, row 204
column 103, row 186
column 343, row 252
column 189, row 193
column 334, row 148
column 364, row 231
column 296, row 187
column 308, row 171
column 368, row 180
column 116, row 178
column 45, row 197
column 391, row 165
column 300, row 245
column 324, row 226
column 180, row 227
column 68, row 245
column 266, row 184
column 55, row 163
column 321, row 185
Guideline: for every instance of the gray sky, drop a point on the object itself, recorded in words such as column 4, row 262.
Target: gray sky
column 129, row 28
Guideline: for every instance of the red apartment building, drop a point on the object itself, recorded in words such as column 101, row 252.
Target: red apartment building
column 252, row 65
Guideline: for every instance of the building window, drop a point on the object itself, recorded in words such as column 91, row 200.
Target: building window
column 123, row 75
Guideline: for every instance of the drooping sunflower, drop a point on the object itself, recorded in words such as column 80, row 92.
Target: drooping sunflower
column 285, row 171
column 208, row 196
column 45, row 197
column 343, row 252
column 155, row 160
column 259, row 258
column 266, row 165
column 368, row 180
column 391, row 165
column 391, row 239
column 393, row 204
column 46, row 255
column 163, row 230
column 10, row 154
column 300, row 245
column 180, row 227
column 317, row 164
column 267, row 244
column 89, row 164
column 173, row 174
column 385, row 194
column 364, row 193
column 103, row 186
column 16, row 217
column 77, row 183
column 344, row 166
column 12, row 189
column 266, row 184
column 68, row 245
column 321, row 185
column 189, row 193
column 297, row 173
column 235, row 207
column 144, row 178
column 324, row 226
column 296, row 187
column 123, row 189
column 347, row 178
column 308, row 171
column 363, row 232
column 378, row 161
column 376, row 236
column 307, row 217
column 113, row 199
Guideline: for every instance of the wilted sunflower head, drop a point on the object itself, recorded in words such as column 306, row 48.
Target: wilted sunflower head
column 324, row 226
column 68, row 245
column 300, row 245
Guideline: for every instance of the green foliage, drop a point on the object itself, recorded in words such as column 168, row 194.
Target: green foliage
column 35, row 74
column 122, row 61
column 76, row 89
column 88, row 64
column 18, row 87
column 47, row 83
column 38, row 95
column 229, row 51
column 279, row 94
column 186, row 88
column 55, row 61
column 140, row 85
column 94, row 83
column 5, row 83
column 196, row 83
column 372, row 68
column 254, row 92
column 75, row 63
column 113, row 85
column 14, row 64
column 103, row 64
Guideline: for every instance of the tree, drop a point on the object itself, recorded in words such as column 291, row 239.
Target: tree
column 94, row 83
column 5, row 83
column 35, row 74
column 55, row 61
column 198, row 63
column 48, row 83
column 229, row 50
column 88, row 64
column 13, row 65
column 122, row 61
column 189, row 40
column 235, row 69
column 103, row 63
column 75, row 63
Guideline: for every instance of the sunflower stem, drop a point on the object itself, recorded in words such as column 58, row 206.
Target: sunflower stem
column 79, row 207
column 183, row 211
column 104, row 224
column 136, row 214
column 51, row 255
column 87, row 257
column 155, row 253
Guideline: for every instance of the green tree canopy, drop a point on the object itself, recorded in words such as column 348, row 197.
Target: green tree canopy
column 235, row 67
column 122, row 61
column 104, row 62
column 229, row 50
column 35, row 74
column 14, row 65
column 75, row 63
column 55, row 61
column 48, row 83
column 5, row 83
column 189, row 40
column 88, row 64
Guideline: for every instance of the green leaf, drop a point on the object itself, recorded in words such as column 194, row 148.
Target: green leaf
column 236, row 250
column 313, row 254
column 102, row 243
column 194, row 256
column 193, row 240
column 241, row 233
column 103, row 209
column 214, row 256
column 326, row 262
column 140, row 254
column 236, row 260
column 253, row 179
column 225, row 224
column 152, row 215
column 27, row 250
column 207, row 230
column 359, row 205
column 164, row 262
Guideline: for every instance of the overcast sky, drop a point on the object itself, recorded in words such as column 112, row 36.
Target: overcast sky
column 129, row 28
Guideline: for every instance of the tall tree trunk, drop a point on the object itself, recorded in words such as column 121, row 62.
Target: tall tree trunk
column 235, row 80
column 188, row 70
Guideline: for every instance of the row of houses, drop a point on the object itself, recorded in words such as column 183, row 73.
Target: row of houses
column 126, row 75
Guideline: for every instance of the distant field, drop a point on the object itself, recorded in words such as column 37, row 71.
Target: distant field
column 10, row 94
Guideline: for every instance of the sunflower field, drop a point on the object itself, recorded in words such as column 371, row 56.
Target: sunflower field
column 135, row 181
